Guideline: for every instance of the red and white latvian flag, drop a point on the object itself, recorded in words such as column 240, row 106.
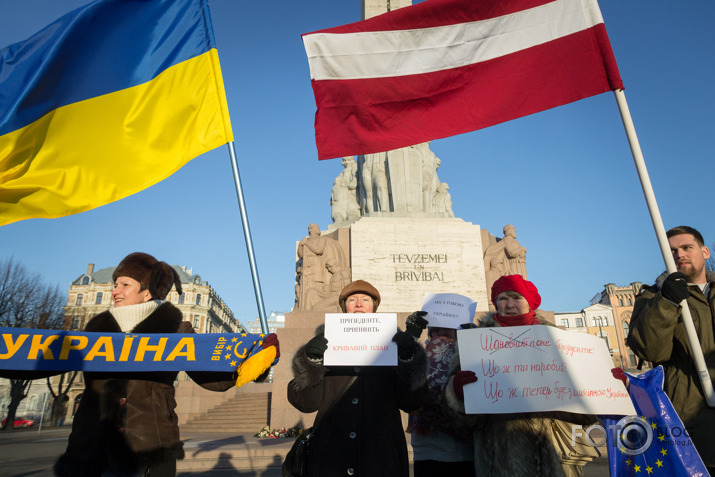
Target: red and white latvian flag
column 446, row 67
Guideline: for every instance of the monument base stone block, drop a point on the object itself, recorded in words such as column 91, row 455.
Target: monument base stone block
column 406, row 257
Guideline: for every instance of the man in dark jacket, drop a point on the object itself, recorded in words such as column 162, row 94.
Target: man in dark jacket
column 657, row 334
column 362, row 433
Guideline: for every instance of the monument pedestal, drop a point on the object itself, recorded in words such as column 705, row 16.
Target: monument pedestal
column 406, row 257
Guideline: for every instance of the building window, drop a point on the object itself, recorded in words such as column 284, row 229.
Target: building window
column 565, row 322
column 579, row 322
column 632, row 358
column 181, row 299
column 198, row 298
column 75, row 323
column 630, row 301
column 98, row 300
column 626, row 328
column 80, row 297
column 600, row 321
column 196, row 321
column 85, row 280
column 620, row 301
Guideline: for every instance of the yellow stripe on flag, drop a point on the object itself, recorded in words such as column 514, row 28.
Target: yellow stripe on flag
column 103, row 149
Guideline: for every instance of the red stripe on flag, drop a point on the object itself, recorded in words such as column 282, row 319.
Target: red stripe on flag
column 436, row 13
column 374, row 115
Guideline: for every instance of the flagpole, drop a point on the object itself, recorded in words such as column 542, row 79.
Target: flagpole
column 247, row 237
column 663, row 243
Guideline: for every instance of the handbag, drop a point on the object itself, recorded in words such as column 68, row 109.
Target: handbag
column 295, row 462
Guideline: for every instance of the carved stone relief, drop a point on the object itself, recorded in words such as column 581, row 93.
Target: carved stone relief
column 322, row 270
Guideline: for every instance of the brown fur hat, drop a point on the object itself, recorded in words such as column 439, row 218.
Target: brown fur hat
column 155, row 276
column 359, row 286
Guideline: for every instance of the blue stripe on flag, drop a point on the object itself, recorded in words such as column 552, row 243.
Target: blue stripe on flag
column 90, row 52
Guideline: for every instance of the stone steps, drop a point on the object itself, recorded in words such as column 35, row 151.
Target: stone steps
column 243, row 413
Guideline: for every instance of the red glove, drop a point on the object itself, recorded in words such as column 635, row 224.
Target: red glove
column 272, row 340
column 619, row 374
column 462, row 378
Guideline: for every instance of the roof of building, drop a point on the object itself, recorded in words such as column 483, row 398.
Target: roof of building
column 105, row 276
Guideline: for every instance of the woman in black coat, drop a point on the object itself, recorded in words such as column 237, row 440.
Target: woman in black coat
column 362, row 434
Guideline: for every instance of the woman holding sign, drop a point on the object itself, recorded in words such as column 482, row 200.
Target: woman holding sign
column 535, row 444
column 358, row 428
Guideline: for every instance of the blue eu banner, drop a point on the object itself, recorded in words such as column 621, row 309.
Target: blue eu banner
column 655, row 441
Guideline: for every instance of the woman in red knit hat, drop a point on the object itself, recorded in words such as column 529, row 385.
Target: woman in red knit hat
column 525, row 443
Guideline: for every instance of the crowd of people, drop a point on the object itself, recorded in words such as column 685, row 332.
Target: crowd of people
column 126, row 423
column 357, row 408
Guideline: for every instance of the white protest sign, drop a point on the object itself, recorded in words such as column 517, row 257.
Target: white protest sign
column 539, row 368
column 448, row 310
column 360, row 339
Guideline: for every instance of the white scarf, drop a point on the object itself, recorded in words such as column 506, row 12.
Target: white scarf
column 130, row 316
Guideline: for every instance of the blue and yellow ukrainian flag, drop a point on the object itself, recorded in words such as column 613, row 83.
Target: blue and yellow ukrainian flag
column 105, row 102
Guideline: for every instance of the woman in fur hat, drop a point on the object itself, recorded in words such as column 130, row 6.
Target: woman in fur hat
column 125, row 424
column 512, row 445
column 361, row 433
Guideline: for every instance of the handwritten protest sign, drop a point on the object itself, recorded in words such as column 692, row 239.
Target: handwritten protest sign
column 448, row 310
column 539, row 368
column 360, row 339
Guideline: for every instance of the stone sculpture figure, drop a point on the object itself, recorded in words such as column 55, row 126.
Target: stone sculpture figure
column 430, row 181
column 374, row 191
column 325, row 297
column 343, row 196
column 443, row 201
column 313, row 252
column 494, row 271
column 514, row 252
column 506, row 257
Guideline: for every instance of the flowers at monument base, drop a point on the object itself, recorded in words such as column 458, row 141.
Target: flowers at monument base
column 266, row 432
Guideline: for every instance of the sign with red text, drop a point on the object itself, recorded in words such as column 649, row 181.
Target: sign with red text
column 360, row 339
column 539, row 368
column 448, row 310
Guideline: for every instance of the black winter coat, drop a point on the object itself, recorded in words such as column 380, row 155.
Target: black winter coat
column 362, row 435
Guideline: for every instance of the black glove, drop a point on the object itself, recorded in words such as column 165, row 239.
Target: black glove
column 468, row 326
column 316, row 347
column 405, row 345
column 416, row 323
column 675, row 287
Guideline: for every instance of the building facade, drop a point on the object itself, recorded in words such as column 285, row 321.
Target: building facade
column 609, row 317
column 275, row 320
column 622, row 299
column 594, row 320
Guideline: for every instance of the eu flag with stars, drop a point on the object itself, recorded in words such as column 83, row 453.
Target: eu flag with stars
column 655, row 442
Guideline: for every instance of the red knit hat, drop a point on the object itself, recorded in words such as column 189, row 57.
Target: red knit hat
column 516, row 283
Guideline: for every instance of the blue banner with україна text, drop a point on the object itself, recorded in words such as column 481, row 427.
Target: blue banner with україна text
column 54, row 350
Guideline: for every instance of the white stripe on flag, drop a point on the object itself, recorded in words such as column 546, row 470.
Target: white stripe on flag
column 407, row 52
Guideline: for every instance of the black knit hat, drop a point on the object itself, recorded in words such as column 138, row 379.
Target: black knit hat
column 155, row 276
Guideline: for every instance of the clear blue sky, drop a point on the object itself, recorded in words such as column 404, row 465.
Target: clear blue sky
column 565, row 178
